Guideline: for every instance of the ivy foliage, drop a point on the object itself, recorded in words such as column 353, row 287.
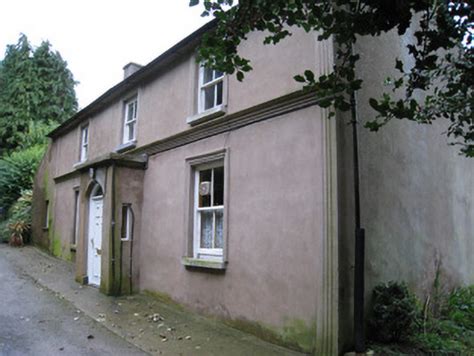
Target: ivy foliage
column 441, row 51
column 35, row 87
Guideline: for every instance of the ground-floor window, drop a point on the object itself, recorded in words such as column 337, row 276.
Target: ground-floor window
column 207, row 213
column 127, row 222
column 209, row 210
column 75, row 232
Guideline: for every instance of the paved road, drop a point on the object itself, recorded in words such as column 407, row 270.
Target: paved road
column 34, row 321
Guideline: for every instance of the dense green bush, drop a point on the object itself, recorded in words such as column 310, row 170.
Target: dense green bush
column 460, row 307
column 394, row 311
column 445, row 329
column 4, row 231
column 19, row 219
column 20, row 216
column 16, row 173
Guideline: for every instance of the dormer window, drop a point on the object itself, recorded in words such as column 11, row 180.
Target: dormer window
column 211, row 89
column 130, row 121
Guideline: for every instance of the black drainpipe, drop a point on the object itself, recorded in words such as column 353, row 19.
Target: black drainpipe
column 131, row 251
column 112, row 260
column 120, row 263
column 359, row 327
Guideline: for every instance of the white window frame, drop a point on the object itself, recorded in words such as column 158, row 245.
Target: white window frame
column 130, row 123
column 46, row 218
column 213, row 83
column 194, row 257
column 199, row 252
column 127, row 222
column 84, row 147
column 75, row 233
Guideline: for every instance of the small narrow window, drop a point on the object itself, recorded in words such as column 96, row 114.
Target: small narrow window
column 211, row 88
column 75, row 232
column 46, row 214
column 84, row 143
column 127, row 222
column 130, row 121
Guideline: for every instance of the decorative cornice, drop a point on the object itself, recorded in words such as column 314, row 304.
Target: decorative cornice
column 137, row 158
column 66, row 176
column 268, row 110
column 135, row 161
column 121, row 160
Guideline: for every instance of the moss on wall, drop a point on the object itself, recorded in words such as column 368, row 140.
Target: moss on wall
column 165, row 298
column 295, row 333
column 56, row 246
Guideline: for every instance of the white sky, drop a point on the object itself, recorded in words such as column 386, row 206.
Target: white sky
column 97, row 38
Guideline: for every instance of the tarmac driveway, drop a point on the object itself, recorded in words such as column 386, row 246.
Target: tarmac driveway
column 35, row 321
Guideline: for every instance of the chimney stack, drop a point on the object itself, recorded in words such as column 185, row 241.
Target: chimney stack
column 130, row 68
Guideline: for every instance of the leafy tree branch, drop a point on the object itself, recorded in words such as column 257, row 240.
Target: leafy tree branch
column 436, row 84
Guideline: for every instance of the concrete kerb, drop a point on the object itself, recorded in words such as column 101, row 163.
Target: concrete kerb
column 151, row 325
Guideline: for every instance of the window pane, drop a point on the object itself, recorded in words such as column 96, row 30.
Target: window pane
column 85, row 132
column 218, row 186
column 130, row 112
column 208, row 97
column 217, row 74
column 219, row 92
column 219, row 233
column 204, row 196
column 131, row 131
column 124, row 222
column 206, row 229
column 207, row 77
column 76, row 217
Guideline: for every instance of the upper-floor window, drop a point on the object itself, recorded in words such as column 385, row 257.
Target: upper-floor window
column 130, row 121
column 84, row 142
column 211, row 88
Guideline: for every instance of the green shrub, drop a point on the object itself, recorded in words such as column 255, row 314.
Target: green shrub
column 451, row 331
column 4, row 231
column 460, row 307
column 18, row 222
column 394, row 311
column 16, row 173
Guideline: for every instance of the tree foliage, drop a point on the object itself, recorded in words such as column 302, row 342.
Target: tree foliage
column 35, row 86
column 436, row 83
column 17, row 171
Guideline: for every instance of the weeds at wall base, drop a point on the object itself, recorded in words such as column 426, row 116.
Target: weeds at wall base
column 443, row 329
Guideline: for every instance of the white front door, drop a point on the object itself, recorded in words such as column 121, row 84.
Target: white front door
column 94, row 249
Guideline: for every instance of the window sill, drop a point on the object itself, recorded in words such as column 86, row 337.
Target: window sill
column 126, row 146
column 207, row 115
column 201, row 263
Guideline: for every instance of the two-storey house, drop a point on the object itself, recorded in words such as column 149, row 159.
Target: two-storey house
column 234, row 198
